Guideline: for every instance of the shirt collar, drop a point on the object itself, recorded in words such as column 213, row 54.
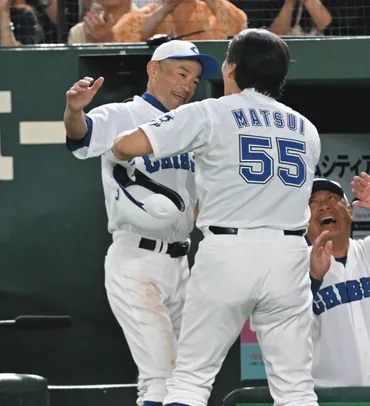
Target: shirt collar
column 154, row 102
column 342, row 260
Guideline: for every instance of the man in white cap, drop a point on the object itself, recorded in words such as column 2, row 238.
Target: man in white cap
column 340, row 277
column 146, row 266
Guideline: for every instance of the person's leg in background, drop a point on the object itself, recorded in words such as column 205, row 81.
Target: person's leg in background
column 138, row 283
column 283, row 320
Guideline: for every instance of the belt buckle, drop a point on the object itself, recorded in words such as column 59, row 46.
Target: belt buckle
column 180, row 249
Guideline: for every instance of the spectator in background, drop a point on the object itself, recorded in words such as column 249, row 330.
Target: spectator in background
column 97, row 25
column 18, row 25
column 47, row 14
column 219, row 19
column 283, row 23
column 88, row 5
column 84, row 6
column 340, row 276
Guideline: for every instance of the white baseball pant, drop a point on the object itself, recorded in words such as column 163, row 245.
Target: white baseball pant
column 259, row 272
column 145, row 290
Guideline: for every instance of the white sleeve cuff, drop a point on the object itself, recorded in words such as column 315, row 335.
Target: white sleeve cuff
column 153, row 142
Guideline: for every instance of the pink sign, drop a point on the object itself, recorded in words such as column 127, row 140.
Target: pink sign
column 248, row 336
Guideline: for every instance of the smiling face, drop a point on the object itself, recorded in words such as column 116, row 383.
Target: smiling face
column 329, row 211
column 173, row 81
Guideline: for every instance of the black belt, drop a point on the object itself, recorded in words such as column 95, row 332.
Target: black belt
column 174, row 249
column 227, row 230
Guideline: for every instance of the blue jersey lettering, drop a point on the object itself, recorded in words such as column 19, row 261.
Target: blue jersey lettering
column 262, row 117
column 346, row 292
column 182, row 161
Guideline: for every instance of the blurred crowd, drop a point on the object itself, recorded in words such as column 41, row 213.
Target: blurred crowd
column 31, row 22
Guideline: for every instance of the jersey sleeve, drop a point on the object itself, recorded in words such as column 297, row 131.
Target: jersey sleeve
column 186, row 129
column 104, row 123
column 316, row 144
column 315, row 285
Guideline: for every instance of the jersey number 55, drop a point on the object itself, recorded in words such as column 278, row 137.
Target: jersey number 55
column 291, row 167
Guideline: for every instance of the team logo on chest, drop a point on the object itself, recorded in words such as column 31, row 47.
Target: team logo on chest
column 341, row 293
column 182, row 161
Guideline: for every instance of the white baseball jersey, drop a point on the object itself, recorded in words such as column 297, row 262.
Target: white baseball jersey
column 341, row 333
column 105, row 124
column 255, row 159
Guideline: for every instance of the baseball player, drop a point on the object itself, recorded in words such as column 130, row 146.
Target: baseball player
column 256, row 161
column 146, row 266
column 340, row 272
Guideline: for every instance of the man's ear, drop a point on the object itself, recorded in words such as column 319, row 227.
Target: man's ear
column 231, row 71
column 349, row 207
column 152, row 68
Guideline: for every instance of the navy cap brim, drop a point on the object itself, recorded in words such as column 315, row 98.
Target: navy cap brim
column 324, row 184
column 209, row 64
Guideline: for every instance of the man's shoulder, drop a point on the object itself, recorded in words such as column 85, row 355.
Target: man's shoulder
column 220, row 102
column 112, row 108
column 362, row 244
column 288, row 109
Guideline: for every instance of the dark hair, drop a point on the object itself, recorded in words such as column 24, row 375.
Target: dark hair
column 262, row 61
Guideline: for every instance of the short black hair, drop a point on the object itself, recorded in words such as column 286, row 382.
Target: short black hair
column 262, row 61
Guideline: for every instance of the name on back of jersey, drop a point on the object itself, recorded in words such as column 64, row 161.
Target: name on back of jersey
column 264, row 117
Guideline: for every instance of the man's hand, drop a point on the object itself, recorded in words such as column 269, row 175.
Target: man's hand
column 320, row 260
column 361, row 189
column 97, row 30
column 85, row 6
column 81, row 93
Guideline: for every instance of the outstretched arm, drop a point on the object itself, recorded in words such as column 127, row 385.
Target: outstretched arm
column 131, row 144
column 78, row 97
column 182, row 130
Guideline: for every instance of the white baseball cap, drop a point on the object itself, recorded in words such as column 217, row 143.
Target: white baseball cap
column 330, row 185
column 177, row 49
column 142, row 208
column 142, row 202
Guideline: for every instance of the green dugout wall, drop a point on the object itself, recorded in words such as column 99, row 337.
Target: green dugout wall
column 53, row 236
